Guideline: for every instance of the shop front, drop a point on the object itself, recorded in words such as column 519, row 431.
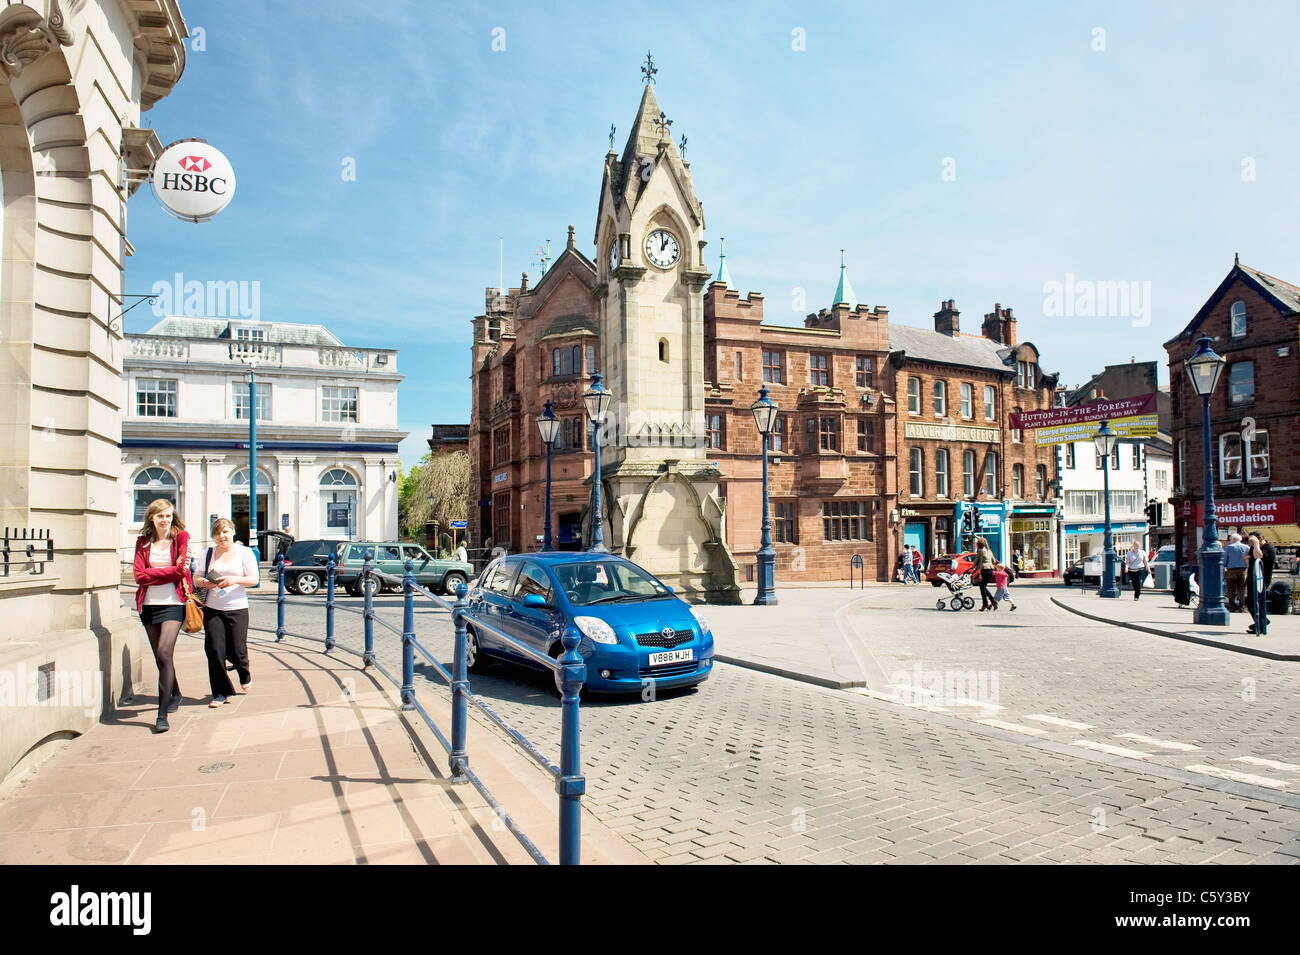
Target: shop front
column 1083, row 540
column 1273, row 517
column 987, row 519
column 1032, row 534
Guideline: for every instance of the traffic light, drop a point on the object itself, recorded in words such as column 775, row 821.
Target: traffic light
column 1153, row 512
column 975, row 520
column 967, row 522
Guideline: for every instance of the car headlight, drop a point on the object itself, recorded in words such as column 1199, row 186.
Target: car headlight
column 595, row 628
column 704, row 624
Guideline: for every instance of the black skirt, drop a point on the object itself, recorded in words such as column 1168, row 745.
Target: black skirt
column 157, row 613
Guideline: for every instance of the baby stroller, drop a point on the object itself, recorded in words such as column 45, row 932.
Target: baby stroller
column 955, row 583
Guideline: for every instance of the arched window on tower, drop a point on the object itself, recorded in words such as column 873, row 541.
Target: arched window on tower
column 663, row 350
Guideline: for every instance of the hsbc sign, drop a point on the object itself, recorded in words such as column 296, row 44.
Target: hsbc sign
column 193, row 180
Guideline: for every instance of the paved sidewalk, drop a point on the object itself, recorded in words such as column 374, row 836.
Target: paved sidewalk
column 804, row 637
column 1157, row 614
column 315, row 765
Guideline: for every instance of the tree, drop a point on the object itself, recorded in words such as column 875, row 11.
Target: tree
column 446, row 477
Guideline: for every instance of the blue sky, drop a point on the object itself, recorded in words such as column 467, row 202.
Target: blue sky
column 976, row 152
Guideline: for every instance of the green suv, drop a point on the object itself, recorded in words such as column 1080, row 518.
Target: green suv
column 389, row 558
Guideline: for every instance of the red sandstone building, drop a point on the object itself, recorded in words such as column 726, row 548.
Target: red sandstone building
column 1253, row 320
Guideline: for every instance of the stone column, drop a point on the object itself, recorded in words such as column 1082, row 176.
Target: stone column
column 194, row 499
column 305, row 514
column 216, row 499
column 286, row 496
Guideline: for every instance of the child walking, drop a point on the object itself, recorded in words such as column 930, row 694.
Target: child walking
column 1002, row 580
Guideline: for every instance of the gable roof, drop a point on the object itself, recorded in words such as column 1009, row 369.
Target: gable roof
column 1284, row 295
column 567, row 325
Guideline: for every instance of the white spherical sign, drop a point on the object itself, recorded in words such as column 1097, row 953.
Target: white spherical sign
column 193, row 180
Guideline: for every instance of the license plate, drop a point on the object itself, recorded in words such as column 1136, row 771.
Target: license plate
column 671, row 656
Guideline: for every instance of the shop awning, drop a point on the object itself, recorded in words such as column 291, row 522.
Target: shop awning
column 1288, row 534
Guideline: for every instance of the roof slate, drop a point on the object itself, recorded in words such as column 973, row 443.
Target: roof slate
column 570, row 325
column 972, row 351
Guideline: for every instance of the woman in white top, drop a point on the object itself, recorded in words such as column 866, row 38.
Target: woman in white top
column 1135, row 565
column 224, row 570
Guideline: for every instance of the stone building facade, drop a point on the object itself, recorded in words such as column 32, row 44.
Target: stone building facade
column 326, row 429
column 1253, row 320
column 76, row 77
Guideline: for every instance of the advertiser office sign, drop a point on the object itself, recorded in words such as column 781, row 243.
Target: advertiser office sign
column 1249, row 512
column 193, row 180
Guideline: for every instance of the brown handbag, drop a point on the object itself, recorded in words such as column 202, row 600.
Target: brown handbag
column 193, row 608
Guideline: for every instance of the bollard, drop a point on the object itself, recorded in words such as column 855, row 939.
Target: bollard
column 368, row 658
column 330, row 572
column 459, row 690
column 571, row 785
column 408, row 637
column 279, row 598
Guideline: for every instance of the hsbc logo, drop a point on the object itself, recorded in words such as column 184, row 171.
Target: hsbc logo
column 193, row 180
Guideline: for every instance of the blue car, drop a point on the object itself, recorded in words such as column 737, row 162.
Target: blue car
column 635, row 632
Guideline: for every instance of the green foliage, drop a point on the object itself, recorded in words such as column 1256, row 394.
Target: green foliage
column 446, row 477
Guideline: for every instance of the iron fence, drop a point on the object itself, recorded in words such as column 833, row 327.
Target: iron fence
column 35, row 547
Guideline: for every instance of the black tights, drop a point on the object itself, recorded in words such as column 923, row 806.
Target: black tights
column 162, row 638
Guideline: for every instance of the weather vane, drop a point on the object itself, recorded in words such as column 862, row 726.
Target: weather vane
column 648, row 71
column 681, row 147
column 662, row 124
column 611, row 135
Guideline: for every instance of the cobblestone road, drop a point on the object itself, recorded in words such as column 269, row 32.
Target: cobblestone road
column 755, row 768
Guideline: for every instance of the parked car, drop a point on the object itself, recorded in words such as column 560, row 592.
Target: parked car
column 390, row 558
column 634, row 629
column 1164, row 568
column 304, row 569
column 949, row 564
column 1086, row 571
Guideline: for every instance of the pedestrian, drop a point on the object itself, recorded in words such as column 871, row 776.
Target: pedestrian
column 1235, row 556
column 224, row 571
column 982, row 569
column 161, row 572
column 1270, row 557
column 461, row 554
column 903, row 566
column 1135, row 567
column 1256, row 558
column 918, row 564
column 1002, row 580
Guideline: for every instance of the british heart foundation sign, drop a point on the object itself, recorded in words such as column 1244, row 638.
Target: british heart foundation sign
column 193, row 180
column 1250, row 512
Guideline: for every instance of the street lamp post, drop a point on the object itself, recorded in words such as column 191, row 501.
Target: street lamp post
column 1204, row 369
column 433, row 544
column 597, row 400
column 764, row 410
column 252, row 456
column 549, row 426
column 1105, row 443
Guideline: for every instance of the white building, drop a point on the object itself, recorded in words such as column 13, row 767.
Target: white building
column 1160, row 484
column 326, row 429
column 1082, row 483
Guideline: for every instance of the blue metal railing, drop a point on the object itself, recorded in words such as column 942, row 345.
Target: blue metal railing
column 570, row 784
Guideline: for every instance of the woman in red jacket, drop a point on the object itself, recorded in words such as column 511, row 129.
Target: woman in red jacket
column 162, row 565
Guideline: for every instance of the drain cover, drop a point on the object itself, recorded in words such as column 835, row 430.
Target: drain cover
column 216, row 767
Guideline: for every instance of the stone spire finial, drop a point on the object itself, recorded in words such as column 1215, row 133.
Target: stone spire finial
column 844, row 293
column 571, row 243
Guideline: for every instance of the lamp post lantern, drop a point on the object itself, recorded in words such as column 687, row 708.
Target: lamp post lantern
column 1105, row 443
column 1204, row 369
column 764, row 410
column 549, row 426
column 597, row 400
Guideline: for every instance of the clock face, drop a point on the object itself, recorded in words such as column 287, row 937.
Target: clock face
column 661, row 248
column 613, row 255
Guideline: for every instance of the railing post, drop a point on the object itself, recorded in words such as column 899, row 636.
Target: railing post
column 368, row 658
column 408, row 638
column 459, row 691
column 279, row 598
column 330, row 572
column 571, row 785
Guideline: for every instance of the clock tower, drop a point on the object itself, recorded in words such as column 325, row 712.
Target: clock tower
column 662, row 491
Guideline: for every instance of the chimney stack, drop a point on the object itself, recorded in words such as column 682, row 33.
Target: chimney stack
column 1000, row 326
column 945, row 320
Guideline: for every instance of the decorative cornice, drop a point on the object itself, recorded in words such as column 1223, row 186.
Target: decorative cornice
column 26, row 36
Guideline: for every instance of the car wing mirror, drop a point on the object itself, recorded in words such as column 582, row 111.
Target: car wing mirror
column 534, row 600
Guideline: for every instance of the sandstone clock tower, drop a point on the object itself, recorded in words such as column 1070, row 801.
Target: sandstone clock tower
column 661, row 489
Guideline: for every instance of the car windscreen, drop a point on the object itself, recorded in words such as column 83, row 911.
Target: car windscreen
column 598, row 582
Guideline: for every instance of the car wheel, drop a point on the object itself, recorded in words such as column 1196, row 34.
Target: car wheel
column 371, row 585
column 451, row 582
column 1068, row 582
column 308, row 583
column 955, row 603
column 936, row 583
column 474, row 659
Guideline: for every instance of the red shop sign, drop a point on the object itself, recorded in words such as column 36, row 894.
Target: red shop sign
column 1250, row 511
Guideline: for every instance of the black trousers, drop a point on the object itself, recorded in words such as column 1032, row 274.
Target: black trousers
column 986, row 599
column 225, row 636
column 1135, row 578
